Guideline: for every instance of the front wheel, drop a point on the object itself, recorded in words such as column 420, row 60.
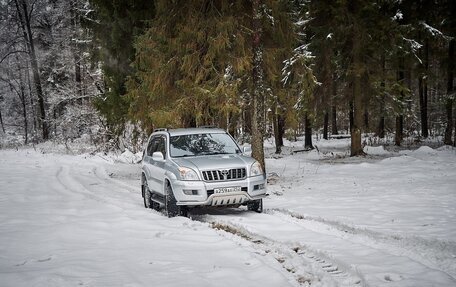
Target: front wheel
column 171, row 207
column 255, row 205
column 146, row 195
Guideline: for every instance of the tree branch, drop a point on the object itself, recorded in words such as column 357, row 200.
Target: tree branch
column 11, row 53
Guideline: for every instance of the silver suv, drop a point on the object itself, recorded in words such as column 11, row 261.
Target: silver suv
column 185, row 168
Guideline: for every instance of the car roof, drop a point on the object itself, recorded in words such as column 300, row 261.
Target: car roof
column 191, row 131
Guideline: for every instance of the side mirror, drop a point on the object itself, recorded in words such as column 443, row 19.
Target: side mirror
column 158, row 156
column 247, row 150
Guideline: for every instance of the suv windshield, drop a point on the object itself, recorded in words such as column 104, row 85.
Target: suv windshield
column 202, row 144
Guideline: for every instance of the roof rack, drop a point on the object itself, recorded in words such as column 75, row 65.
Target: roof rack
column 208, row 127
column 161, row 130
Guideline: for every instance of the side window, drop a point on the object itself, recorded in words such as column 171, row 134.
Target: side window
column 157, row 144
column 161, row 146
column 152, row 146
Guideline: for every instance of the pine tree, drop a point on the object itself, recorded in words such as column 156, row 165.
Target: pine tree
column 115, row 26
column 322, row 29
column 273, row 39
column 281, row 25
column 191, row 65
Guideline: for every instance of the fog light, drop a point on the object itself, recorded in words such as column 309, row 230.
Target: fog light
column 258, row 186
column 190, row 192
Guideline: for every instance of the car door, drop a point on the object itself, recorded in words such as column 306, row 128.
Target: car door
column 148, row 162
column 155, row 170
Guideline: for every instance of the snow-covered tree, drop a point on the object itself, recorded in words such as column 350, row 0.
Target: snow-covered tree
column 44, row 59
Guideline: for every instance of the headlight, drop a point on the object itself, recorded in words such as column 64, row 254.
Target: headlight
column 256, row 169
column 187, row 174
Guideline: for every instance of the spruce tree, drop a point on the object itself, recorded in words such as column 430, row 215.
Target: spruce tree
column 191, row 64
column 116, row 25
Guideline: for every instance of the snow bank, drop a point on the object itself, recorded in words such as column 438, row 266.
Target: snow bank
column 425, row 150
column 128, row 157
column 378, row 150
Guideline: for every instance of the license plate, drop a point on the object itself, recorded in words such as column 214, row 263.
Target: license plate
column 227, row 189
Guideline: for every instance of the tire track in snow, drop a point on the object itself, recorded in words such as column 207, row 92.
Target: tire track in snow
column 70, row 183
column 435, row 254
column 88, row 185
column 103, row 175
column 299, row 260
column 60, row 175
column 290, row 256
column 374, row 264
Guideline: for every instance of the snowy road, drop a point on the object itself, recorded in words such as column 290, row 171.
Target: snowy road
column 74, row 220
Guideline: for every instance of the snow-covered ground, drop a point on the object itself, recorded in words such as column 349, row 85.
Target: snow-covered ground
column 385, row 220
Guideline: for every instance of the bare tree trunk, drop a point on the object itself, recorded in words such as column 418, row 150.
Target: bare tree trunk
column 24, row 111
column 399, row 130
column 247, row 119
column 257, row 91
column 400, row 117
column 454, row 142
column 449, row 128
column 351, row 115
column 75, row 49
column 381, row 127
column 1, row 122
column 279, row 123
column 325, row 125
column 333, row 107
column 307, row 133
column 423, row 92
column 450, row 91
column 381, row 124
column 23, row 14
column 32, row 102
column 275, row 128
column 334, row 121
column 326, row 90
column 280, row 128
column 356, row 147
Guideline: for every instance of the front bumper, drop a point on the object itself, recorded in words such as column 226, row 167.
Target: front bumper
column 201, row 193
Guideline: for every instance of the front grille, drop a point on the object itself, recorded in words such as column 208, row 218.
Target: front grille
column 224, row 174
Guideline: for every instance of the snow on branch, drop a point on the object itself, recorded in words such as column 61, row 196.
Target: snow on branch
column 413, row 44
column 398, row 16
column 301, row 53
column 433, row 31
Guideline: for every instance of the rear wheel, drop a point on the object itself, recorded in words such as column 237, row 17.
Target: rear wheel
column 255, row 205
column 171, row 207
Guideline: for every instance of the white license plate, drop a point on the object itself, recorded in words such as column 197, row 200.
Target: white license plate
column 227, row 189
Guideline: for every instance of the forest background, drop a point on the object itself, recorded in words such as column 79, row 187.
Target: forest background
column 110, row 72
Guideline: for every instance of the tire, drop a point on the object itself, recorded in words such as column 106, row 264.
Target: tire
column 155, row 206
column 255, row 205
column 148, row 203
column 171, row 207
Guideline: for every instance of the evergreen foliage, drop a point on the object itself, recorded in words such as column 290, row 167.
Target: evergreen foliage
column 115, row 26
column 253, row 67
column 191, row 64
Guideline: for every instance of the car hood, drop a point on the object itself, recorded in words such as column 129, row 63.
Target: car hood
column 226, row 161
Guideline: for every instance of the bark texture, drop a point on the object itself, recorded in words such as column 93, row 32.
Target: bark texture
column 257, row 93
